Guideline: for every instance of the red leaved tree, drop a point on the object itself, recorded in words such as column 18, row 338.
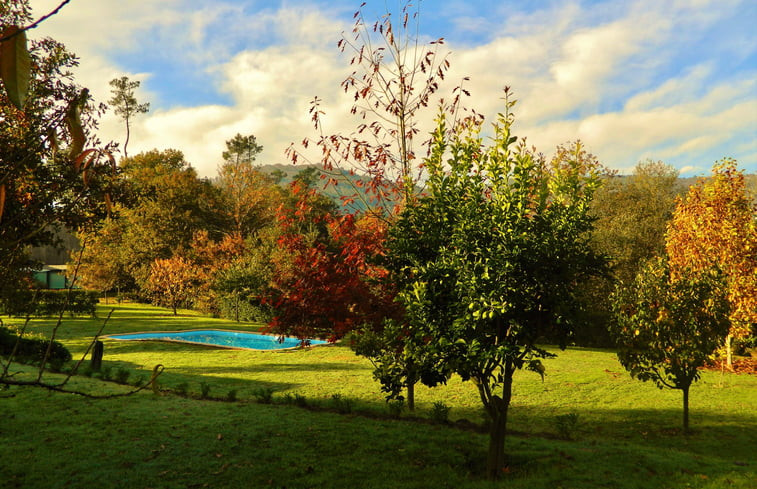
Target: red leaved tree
column 327, row 284
column 395, row 78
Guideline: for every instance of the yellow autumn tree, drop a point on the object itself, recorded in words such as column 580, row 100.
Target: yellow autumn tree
column 715, row 223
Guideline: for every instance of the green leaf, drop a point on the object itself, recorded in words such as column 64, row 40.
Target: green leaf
column 15, row 65
column 538, row 367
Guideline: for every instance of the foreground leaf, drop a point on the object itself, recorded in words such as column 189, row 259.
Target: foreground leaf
column 15, row 65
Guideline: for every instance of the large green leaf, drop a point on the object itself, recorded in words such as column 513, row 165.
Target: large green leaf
column 15, row 65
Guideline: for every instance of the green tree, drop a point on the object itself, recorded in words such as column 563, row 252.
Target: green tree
column 632, row 213
column 125, row 103
column 632, row 216
column 242, row 149
column 163, row 205
column 488, row 262
column 47, row 179
column 669, row 324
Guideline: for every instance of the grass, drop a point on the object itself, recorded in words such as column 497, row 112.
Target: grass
column 623, row 433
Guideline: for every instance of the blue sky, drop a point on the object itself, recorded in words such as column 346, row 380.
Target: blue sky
column 674, row 80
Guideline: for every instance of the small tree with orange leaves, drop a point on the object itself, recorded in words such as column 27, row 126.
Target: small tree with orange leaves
column 171, row 281
column 716, row 224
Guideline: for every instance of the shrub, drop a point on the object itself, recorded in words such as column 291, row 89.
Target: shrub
column 231, row 307
column 395, row 407
column 300, row 400
column 341, row 404
column 231, row 396
column 52, row 302
column 31, row 349
column 440, row 412
column 122, row 375
column 182, row 389
column 566, row 425
column 264, row 395
column 204, row 390
column 105, row 372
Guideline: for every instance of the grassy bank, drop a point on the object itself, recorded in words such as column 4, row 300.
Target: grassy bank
column 626, row 433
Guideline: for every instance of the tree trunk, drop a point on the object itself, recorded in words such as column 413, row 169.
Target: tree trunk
column 126, row 143
column 729, row 351
column 236, row 305
column 411, row 381
column 686, row 409
column 495, row 462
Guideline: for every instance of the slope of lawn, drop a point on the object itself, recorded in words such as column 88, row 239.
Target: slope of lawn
column 626, row 433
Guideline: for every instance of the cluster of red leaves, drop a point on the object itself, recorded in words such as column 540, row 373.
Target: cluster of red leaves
column 329, row 283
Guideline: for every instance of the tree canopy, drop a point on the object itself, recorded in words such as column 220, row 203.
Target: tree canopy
column 715, row 223
column 488, row 261
column 669, row 323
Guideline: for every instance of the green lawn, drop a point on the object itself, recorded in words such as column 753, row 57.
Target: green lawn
column 627, row 434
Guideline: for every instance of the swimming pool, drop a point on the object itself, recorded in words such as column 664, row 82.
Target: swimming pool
column 220, row 338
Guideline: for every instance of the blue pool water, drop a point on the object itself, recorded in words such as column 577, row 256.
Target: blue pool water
column 224, row 339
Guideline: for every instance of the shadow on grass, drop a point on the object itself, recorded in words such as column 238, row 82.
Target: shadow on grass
column 277, row 367
column 194, row 443
column 710, row 432
column 172, row 379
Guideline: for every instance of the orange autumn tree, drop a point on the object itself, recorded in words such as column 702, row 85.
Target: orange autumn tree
column 171, row 281
column 716, row 224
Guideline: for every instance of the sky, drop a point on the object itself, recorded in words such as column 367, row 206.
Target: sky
column 672, row 80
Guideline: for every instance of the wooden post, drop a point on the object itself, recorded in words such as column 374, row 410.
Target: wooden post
column 97, row 355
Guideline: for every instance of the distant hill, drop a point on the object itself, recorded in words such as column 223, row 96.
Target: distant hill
column 346, row 184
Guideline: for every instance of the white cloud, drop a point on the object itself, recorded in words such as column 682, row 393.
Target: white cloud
column 578, row 72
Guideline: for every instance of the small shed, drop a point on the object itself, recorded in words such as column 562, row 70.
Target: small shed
column 52, row 276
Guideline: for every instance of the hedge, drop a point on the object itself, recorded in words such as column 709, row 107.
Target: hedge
column 51, row 302
column 31, row 349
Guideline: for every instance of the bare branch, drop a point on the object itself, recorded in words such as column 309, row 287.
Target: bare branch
column 35, row 24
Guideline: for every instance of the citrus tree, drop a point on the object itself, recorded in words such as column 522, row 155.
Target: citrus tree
column 487, row 263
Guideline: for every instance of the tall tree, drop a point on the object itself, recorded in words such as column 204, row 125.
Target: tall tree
column 632, row 213
column 395, row 78
column 632, row 216
column 669, row 324
column 125, row 103
column 716, row 224
column 488, row 262
column 242, row 149
column 250, row 197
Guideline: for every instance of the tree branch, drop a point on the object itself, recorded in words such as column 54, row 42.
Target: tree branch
column 35, row 24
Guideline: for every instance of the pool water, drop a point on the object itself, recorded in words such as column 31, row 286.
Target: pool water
column 221, row 338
